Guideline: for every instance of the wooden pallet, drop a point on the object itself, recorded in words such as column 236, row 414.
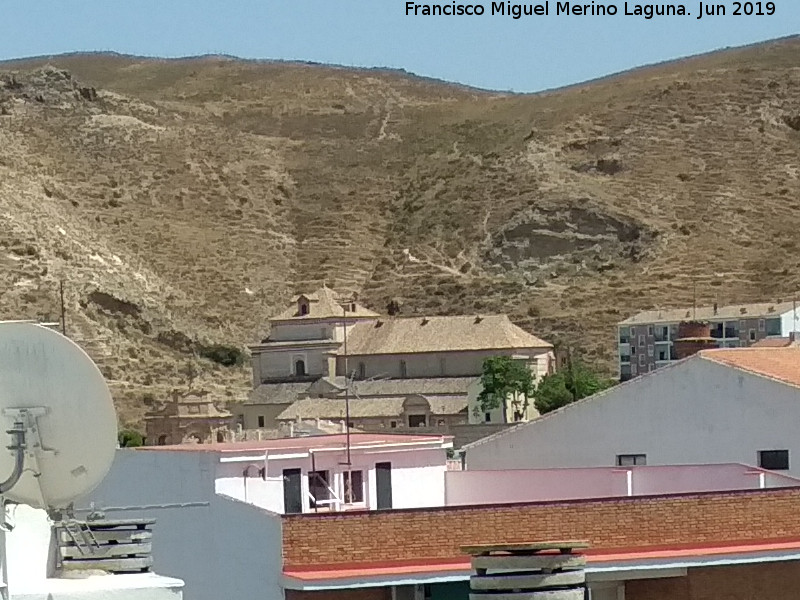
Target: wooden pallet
column 113, row 546
column 529, row 571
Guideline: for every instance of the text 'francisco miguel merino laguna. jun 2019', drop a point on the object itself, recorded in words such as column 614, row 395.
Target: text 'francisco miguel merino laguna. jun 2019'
column 698, row 11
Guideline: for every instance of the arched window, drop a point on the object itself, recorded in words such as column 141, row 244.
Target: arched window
column 299, row 367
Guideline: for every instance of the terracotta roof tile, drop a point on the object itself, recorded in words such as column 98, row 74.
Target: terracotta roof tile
column 782, row 364
column 782, row 342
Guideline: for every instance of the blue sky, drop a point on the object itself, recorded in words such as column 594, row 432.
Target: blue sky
column 525, row 55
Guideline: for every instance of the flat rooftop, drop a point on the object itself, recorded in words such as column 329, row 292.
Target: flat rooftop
column 332, row 442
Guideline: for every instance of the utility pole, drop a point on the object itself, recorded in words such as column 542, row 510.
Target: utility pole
column 571, row 374
column 63, row 307
column 349, row 487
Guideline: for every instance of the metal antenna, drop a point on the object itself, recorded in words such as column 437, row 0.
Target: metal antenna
column 63, row 308
column 348, row 489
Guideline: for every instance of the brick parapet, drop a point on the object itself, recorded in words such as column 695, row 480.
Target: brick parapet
column 438, row 533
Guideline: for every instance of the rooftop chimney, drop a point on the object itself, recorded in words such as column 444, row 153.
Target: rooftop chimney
column 693, row 336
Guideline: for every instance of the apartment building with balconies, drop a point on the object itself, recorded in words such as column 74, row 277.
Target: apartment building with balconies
column 646, row 340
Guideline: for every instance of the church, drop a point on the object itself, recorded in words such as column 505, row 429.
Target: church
column 327, row 355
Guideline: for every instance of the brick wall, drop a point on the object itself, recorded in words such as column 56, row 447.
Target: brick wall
column 776, row 581
column 438, row 533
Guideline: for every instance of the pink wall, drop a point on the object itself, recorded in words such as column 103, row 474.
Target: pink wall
column 508, row 486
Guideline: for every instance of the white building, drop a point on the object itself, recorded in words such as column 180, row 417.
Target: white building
column 219, row 527
column 726, row 405
column 645, row 340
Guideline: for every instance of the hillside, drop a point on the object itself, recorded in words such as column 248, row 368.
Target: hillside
column 184, row 201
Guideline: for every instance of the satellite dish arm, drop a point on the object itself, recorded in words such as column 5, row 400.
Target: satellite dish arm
column 18, row 446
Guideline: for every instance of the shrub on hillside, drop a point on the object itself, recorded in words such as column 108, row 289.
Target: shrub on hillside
column 228, row 356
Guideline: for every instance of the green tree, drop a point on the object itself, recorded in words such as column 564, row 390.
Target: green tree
column 564, row 387
column 130, row 438
column 504, row 377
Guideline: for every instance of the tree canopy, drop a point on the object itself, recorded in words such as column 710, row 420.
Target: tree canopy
column 564, row 387
column 504, row 377
column 130, row 438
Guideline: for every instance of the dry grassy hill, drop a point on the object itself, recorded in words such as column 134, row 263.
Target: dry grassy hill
column 184, row 201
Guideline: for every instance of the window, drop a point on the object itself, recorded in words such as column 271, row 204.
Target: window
column 631, row 460
column 774, row 460
column 731, row 329
column 299, row 367
column 650, row 350
column 717, row 330
column 416, row 420
column 773, row 326
column 319, row 489
column 194, row 409
column 662, row 355
column 633, row 350
column 162, row 440
column 440, row 423
column 303, row 309
column 362, row 370
column 649, row 330
column 761, row 325
column 261, row 420
column 633, row 332
column 393, row 424
column 752, row 335
column 623, row 335
column 487, row 417
column 634, row 371
column 403, row 369
column 642, row 359
column 355, row 492
column 641, row 340
column 625, row 358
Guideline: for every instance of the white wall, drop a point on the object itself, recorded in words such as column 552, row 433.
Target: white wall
column 272, row 364
column 432, row 364
column 788, row 323
column 692, row 412
column 417, row 477
column 203, row 546
column 319, row 330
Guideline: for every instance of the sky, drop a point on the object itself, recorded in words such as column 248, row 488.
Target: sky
column 529, row 54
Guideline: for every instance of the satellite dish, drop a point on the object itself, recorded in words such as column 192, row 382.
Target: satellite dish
column 55, row 403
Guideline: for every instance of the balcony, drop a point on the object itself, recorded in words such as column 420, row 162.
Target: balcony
column 661, row 334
